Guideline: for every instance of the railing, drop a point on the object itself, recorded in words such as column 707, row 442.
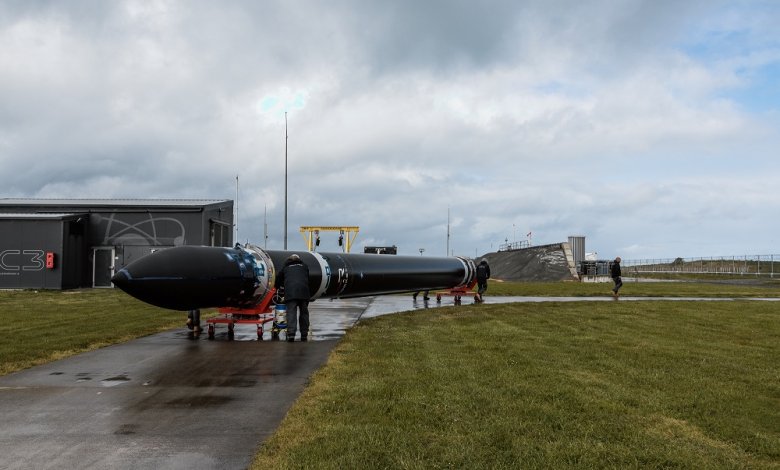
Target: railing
column 746, row 265
column 514, row 246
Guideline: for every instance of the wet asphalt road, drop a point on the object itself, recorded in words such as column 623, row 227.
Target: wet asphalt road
column 163, row 401
column 166, row 401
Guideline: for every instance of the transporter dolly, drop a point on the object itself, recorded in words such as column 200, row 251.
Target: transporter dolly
column 458, row 293
column 266, row 312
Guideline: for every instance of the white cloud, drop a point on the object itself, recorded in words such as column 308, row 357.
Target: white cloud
column 629, row 127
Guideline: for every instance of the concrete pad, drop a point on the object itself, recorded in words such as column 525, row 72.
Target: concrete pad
column 163, row 401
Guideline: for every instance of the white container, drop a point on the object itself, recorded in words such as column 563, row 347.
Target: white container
column 280, row 313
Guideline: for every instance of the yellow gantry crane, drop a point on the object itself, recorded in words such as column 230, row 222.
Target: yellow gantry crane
column 311, row 235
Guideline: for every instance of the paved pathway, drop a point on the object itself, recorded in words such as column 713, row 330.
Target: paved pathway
column 163, row 401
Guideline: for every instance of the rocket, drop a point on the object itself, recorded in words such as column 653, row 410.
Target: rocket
column 193, row 277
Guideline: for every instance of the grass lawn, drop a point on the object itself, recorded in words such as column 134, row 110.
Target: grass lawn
column 555, row 385
column 42, row 326
column 763, row 288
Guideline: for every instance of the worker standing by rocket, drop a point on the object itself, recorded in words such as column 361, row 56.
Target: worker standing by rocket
column 294, row 278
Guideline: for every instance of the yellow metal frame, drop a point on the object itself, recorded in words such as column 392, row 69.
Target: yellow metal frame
column 308, row 233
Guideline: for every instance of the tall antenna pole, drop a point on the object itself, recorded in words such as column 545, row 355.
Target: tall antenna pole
column 265, row 226
column 285, row 180
column 448, row 232
column 235, row 217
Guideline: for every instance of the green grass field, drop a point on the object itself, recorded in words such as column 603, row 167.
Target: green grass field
column 42, row 326
column 654, row 384
column 757, row 288
column 554, row 385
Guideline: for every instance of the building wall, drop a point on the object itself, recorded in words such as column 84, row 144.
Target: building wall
column 577, row 244
column 72, row 261
column 23, row 248
column 163, row 228
column 126, row 231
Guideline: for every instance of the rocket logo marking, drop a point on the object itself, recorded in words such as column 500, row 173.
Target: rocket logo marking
column 343, row 279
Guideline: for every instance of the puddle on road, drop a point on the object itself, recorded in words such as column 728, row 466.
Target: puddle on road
column 114, row 381
column 200, row 401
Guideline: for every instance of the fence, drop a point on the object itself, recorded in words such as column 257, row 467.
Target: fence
column 747, row 265
column 514, row 246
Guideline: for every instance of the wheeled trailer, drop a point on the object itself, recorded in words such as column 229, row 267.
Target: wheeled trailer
column 260, row 316
column 458, row 293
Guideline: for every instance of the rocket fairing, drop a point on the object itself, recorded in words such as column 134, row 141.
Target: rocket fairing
column 190, row 277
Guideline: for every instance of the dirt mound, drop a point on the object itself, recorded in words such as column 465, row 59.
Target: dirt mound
column 537, row 263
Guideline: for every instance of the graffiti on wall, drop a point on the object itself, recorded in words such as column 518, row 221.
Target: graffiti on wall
column 152, row 231
column 13, row 261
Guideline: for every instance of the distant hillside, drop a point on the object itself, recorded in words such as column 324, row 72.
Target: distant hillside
column 537, row 263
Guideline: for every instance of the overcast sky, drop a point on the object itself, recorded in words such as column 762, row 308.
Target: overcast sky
column 650, row 127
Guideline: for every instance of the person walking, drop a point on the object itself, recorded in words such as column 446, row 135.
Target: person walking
column 294, row 277
column 193, row 323
column 483, row 274
column 425, row 295
column 616, row 277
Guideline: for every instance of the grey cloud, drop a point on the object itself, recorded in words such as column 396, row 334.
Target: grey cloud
column 554, row 116
column 438, row 36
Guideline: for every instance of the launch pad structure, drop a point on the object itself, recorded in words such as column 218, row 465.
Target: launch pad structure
column 311, row 235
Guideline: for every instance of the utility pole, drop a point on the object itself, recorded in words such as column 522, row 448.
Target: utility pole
column 235, row 216
column 285, row 180
column 447, row 253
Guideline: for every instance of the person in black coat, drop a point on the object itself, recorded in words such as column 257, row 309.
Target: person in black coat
column 294, row 277
column 616, row 277
column 425, row 295
column 483, row 274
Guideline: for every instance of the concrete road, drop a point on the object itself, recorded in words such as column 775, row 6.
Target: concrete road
column 163, row 401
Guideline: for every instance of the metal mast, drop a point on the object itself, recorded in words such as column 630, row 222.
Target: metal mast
column 235, row 217
column 265, row 226
column 448, row 232
column 285, row 180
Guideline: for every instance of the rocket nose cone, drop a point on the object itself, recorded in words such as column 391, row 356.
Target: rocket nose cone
column 188, row 277
column 121, row 278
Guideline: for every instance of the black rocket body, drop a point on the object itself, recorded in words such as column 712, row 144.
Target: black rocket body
column 189, row 277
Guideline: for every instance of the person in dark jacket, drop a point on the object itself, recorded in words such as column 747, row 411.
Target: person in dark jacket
column 425, row 295
column 294, row 277
column 616, row 277
column 483, row 274
column 193, row 323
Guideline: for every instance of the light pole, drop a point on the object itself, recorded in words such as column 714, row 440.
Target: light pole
column 265, row 226
column 285, row 180
column 421, row 250
column 235, row 217
column 447, row 253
